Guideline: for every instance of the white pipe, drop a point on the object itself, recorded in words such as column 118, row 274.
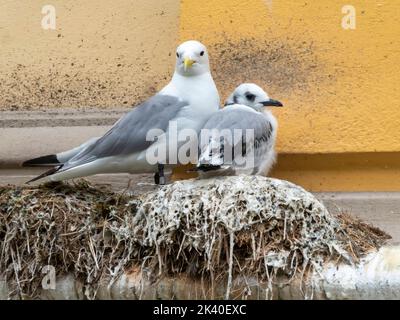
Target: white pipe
column 376, row 277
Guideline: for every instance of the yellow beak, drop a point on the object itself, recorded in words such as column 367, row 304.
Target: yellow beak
column 187, row 63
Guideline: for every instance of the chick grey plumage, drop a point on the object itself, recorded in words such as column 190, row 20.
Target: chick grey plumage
column 244, row 110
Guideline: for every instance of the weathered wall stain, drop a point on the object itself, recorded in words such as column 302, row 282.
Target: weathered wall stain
column 112, row 54
column 339, row 87
column 283, row 65
column 75, row 86
column 280, row 65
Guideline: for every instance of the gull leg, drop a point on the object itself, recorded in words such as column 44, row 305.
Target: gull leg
column 161, row 174
column 159, row 177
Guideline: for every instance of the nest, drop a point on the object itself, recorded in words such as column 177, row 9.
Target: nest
column 210, row 229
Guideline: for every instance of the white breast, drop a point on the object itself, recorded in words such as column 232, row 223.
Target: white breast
column 201, row 94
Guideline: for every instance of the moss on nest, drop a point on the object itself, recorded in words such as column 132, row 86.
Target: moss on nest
column 211, row 229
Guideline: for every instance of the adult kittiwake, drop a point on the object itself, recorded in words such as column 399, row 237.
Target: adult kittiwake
column 144, row 133
column 240, row 138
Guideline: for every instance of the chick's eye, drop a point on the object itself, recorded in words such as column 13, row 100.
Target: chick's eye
column 250, row 97
column 177, row 55
column 202, row 53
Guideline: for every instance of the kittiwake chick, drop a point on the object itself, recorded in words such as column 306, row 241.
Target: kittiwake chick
column 244, row 115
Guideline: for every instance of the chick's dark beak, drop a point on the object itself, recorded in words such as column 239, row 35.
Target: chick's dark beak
column 272, row 103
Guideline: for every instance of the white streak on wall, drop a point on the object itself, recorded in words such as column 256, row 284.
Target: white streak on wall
column 269, row 4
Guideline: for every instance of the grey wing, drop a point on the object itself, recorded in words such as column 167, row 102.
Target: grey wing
column 242, row 120
column 256, row 125
column 128, row 135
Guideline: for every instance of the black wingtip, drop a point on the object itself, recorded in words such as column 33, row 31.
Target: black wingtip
column 49, row 160
column 44, row 174
column 208, row 167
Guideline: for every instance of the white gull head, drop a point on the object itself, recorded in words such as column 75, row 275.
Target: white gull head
column 251, row 95
column 192, row 82
column 192, row 59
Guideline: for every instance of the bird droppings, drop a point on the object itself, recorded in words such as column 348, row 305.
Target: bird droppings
column 211, row 230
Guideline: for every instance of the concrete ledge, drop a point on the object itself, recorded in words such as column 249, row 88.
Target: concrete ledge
column 382, row 209
column 20, row 144
column 377, row 277
column 60, row 118
column 25, row 135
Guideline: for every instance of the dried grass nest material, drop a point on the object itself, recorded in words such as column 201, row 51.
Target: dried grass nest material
column 211, row 229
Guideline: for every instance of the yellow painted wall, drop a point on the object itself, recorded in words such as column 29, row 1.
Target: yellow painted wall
column 102, row 53
column 340, row 87
column 340, row 127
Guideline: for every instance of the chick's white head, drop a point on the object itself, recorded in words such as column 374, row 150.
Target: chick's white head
column 253, row 96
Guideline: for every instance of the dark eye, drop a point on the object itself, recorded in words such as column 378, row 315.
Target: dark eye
column 202, row 53
column 177, row 55
column 250, row 96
